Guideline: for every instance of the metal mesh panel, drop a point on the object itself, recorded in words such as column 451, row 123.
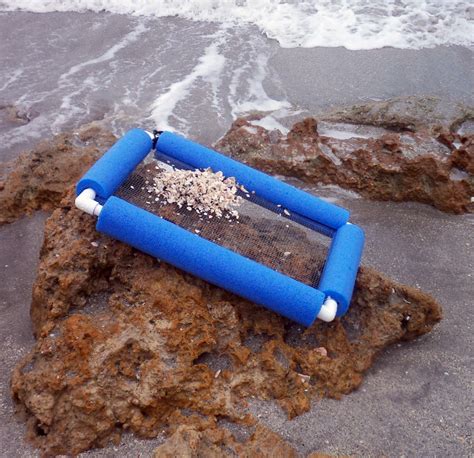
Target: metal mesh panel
column 287, row 243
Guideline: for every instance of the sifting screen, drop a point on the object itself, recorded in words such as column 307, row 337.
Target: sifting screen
column 282, row 240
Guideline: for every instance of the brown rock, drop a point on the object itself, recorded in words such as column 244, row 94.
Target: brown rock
column 11, row 115
column 205, row 439
column 463, row 157
column 39, row 178
column 399, row 166
column 408, row 113
column 125, row 342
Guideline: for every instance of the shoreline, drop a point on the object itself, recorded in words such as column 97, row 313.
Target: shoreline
column 192, row 75
column 412, row 401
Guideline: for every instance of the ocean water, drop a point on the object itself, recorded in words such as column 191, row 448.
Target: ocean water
column 354, row 24
column 63, row 70
column 193, row 66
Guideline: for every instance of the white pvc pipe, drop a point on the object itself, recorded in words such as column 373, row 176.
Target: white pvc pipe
column 328, row 310
column 85, row 202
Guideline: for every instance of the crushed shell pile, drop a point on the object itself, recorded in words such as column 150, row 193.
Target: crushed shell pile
column 208, row 193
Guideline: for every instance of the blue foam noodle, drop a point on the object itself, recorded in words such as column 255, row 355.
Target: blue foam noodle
column 108, row 173
column 340, row 271
column 209, row 261
column 264, row 185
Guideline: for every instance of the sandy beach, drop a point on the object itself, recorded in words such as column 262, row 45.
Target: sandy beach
column 63, row 70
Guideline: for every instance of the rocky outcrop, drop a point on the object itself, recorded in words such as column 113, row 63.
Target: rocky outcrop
column 128, row 343
column 11, row 115
column 432, row 167
column 38, row 179
column 195, row 438
column 412, row 113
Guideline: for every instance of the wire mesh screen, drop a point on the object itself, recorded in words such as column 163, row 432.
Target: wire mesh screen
column 263, row 232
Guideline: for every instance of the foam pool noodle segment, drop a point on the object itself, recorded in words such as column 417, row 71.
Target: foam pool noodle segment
column 264, row 185
column 213, row 263
column 340, row 270
column 108, row 173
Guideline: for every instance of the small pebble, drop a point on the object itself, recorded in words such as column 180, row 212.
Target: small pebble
column 322, row 351
column 304, row 378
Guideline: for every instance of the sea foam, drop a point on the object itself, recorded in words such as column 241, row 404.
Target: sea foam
column 354, row 24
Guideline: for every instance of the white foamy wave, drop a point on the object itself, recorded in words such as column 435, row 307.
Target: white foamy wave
column 354, row 24
column 209, row 67
column 228, row 85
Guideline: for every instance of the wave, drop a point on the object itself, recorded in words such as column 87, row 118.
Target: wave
column 353, row 24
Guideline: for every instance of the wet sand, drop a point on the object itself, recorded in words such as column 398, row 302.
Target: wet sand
column 322, row 77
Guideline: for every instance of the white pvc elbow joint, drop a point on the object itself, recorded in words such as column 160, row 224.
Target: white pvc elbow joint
column 328, row 310
column 86, row 202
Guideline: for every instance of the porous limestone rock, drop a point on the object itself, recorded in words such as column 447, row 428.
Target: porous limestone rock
column 38, row 179
column 126, row 342
column 419, row 166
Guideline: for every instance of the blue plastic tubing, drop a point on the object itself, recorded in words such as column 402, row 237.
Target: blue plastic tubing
column 264, row 185
column 109, row 172
column 213, row 263
column 340, row 271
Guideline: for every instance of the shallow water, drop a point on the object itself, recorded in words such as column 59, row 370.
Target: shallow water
column 126, row 71
column 61, row 70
